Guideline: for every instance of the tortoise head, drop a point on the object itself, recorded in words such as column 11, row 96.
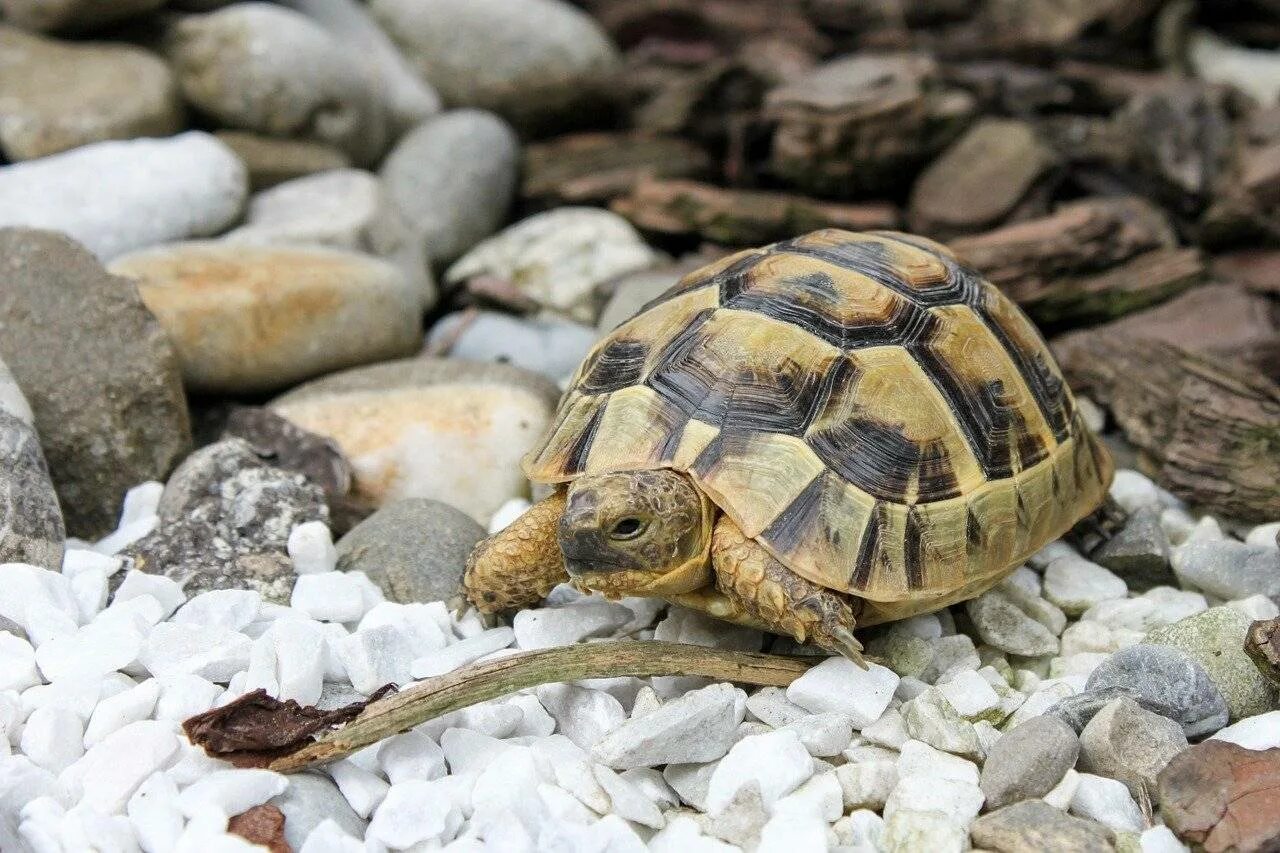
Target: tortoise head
column 637, row 533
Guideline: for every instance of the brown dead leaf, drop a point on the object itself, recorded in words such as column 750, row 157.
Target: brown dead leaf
column 263, row 825
column 256, row 728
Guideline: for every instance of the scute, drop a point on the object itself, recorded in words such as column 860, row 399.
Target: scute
column 878, row 417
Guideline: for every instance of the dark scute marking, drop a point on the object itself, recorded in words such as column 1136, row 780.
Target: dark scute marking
column 841, row 376
column 810, row 302
column 868, row 549
column 1046, row 387
column 875, row 261
column 990, row 424
column 770, row 402
column 683, row 378
column 881, row 460
column 1023, row 512
column 576, row 457
column 617, row 364
column 1055, row 484
column 972, row 531
column 694, row 281
column 913, row 550
column 789, row 530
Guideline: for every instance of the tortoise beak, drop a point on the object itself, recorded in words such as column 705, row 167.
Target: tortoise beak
column 586, row 549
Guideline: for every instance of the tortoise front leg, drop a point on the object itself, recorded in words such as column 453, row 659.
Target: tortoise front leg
column 517, row 567
column 753, row 580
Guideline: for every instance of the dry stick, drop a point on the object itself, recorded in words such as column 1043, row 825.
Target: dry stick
column 489, row 680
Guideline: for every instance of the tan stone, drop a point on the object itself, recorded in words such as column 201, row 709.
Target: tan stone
column 256, row 318
column 435, row 428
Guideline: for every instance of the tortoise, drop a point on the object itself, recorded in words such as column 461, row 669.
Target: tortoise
column 836, row 430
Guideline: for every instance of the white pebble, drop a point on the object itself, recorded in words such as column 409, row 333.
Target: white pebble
column 959, row 801
column 163, row 589
column 107, row 775
column 1133, row 490
column 790, row 831
column 125, row 535
column 627, row 800
column 102, row 646
column 1261, row 731
column 1107, row 801
column 375, row 657
column 411, row 755
column 1160, row 839
column 230, row 792
column 585, row 716
column 363, row 790
column 562, row 626
column 507, row 513
column 328, row 837
column 155, row 814
column 77, row 560
column 120, row 710
column 1263, row 534
column 90, row 590
column 917, row 758
column 207, row 651
column 184, row 695
column 311, row 548
column 17, row 663
column 1076, row 584
column 232, row 609
column 969, row 693
column 53, row 738
column 777, row 762
column 331, row 596
column 461, row 653
column 838, row 684
column 141, row 501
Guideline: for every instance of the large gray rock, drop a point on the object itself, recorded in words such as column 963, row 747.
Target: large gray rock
column 452, row 178
column 536, row 62
column 55, row 96
column 409, row 99
column 98, row 371
column 226, row 517
column 245, row 319
column 1028, row 761
column 118, row 196
column 72, row 14
column 31, row 528
column 343, row 209
column 257, row 66
column 1215, row 638
column 414, row 549
column 1126, row 742
column 450, row 430
column 1160, row 678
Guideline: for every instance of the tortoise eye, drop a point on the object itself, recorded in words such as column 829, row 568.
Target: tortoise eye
column 627, row 528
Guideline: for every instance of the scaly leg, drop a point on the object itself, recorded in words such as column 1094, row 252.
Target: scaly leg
column 751, row 577
column 518, row 566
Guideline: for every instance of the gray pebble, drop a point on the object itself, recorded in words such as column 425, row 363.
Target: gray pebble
column 1036, row 825
column 537, row 62
column 1123, row 741
column 1028, row 761
column 413, row 549
column 257, row 66
column 1139, row 552
column 452, row 178
column 99, row 373
column 1228, row 569
column 310, row 799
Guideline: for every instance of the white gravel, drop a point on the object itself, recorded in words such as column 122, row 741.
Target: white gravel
column 91, row 701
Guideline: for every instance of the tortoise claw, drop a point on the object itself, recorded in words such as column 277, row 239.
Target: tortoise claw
column 843, row 642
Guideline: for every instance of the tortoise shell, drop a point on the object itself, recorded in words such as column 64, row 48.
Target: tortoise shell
column 879, row 417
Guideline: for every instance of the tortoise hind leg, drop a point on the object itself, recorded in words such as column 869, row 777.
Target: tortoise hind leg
column 1098, row 527
column 750, row 577
column 519, row 565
